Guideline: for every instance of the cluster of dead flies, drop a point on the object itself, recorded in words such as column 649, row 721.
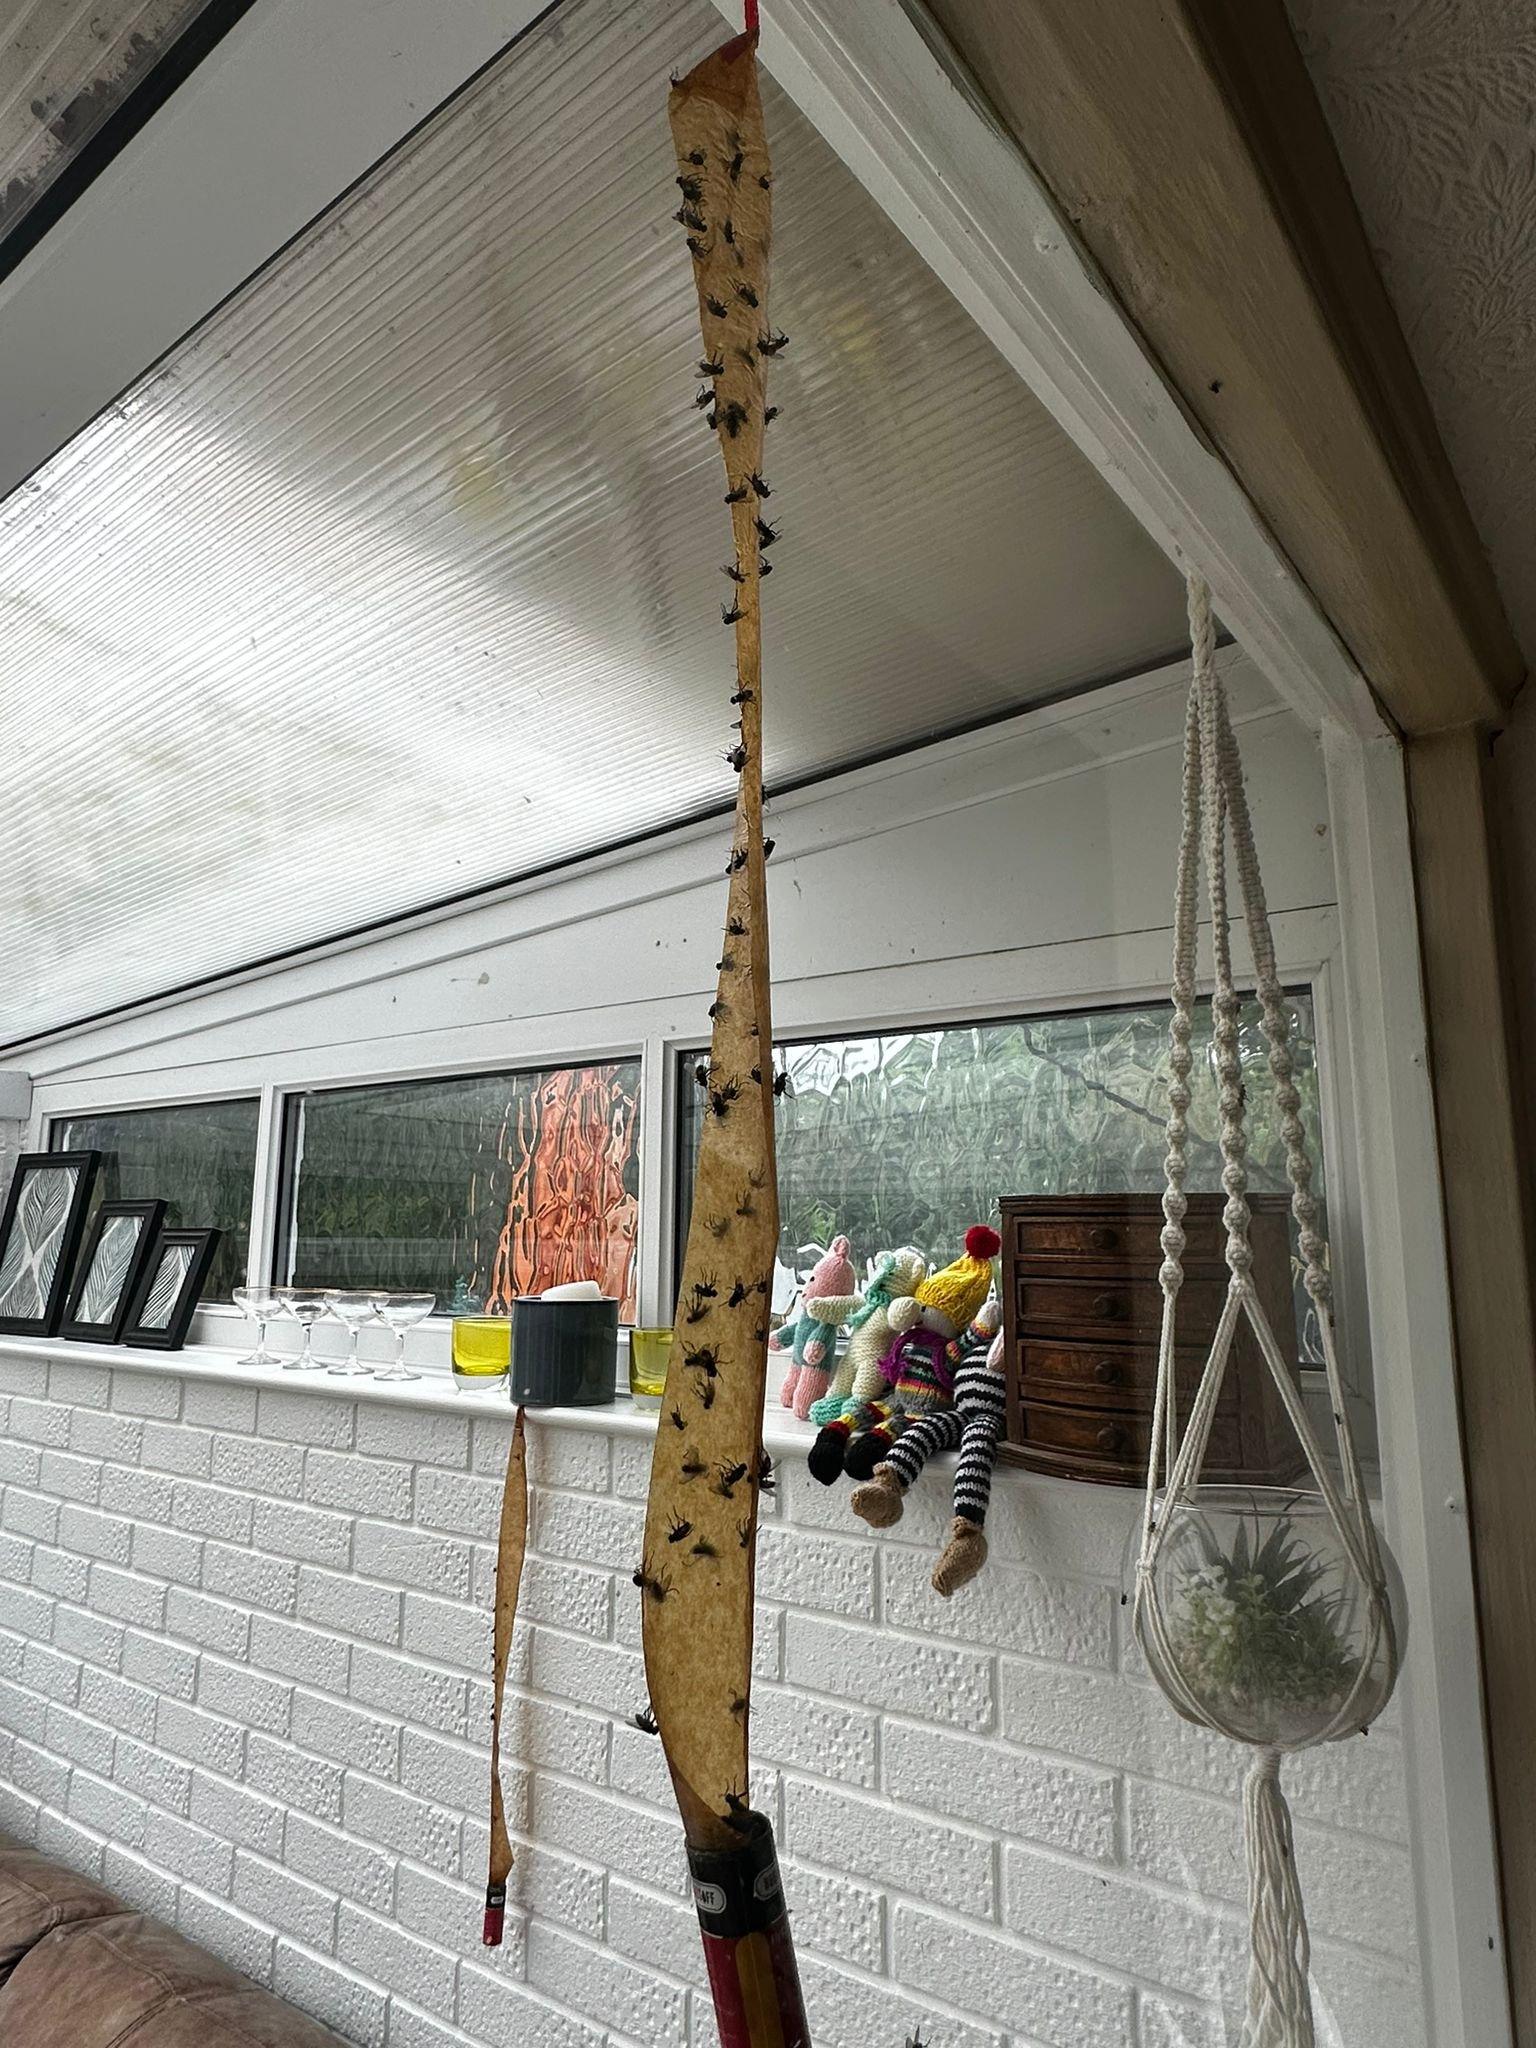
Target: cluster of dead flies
column 654, row 1579
column 684, row 1540
column 728, row 416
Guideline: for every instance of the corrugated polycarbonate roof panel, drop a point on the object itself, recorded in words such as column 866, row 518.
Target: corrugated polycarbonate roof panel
column 402, row 575
column 65, row 67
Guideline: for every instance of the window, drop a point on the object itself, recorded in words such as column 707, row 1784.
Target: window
column 909, row 1137
column 199, row 1157
column 474, row 1187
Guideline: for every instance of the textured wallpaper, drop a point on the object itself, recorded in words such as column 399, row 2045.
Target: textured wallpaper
column 1431, row 106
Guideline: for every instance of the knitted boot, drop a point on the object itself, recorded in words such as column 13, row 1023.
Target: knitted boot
column 878, row 1501
column 962, row 1557
column 867, row 1450
column 825, row 1457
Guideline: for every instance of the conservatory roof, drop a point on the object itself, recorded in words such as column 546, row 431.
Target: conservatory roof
column 399, row 577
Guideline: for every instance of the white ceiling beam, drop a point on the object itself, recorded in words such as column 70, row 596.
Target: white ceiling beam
column 294, row 105
column 877, row 80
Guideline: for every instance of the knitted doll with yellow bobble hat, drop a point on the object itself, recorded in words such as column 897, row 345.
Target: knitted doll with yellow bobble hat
column 919, row 1367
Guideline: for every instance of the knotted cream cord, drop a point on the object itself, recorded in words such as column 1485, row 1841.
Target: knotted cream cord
column 1214, row 803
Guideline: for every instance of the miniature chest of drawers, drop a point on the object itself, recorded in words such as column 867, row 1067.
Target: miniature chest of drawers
column 1083, row 1312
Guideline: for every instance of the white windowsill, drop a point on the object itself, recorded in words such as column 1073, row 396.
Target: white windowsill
column 434, row 1393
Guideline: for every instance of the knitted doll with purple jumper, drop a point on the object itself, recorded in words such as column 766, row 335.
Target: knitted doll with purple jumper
column 919, row 1367
column 812, row 1342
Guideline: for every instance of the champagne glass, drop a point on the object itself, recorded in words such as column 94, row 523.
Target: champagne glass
column 261, row 1304
column 402, row 1312
column 306, row 1305
column 352, row 1311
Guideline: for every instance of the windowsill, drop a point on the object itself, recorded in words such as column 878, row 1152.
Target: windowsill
column 436, row 1393
column 433, row 1393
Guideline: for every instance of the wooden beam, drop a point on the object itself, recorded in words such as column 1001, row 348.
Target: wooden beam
column 1184, row 143
column 886, row 90
column 1513, row 780
column 1467, row 997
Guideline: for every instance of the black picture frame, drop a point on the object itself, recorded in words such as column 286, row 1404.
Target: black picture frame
column 78, row 1325
column 170, row 1334
column 65, row 1229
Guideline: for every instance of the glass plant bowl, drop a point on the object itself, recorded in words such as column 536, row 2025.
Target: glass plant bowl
column 1256, row 1623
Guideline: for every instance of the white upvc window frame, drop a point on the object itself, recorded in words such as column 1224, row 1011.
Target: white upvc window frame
column 1089, row 974
column 1318, row 980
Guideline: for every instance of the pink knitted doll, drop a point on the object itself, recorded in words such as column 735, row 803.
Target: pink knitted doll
column 813, row 1342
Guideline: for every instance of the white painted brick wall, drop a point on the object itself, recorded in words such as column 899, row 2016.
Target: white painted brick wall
column 244, row 1639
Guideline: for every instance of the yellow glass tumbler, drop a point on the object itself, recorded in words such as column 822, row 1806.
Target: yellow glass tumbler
column 481, row 1350
column 648, row 1354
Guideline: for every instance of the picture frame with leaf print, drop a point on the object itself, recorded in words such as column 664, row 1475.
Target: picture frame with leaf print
column 41, row 1226
column 161, row 1310
column 118, row 1247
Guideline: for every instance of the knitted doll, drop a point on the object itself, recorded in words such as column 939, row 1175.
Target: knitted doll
column 858, row 1380
column 919, row 1366
column 973, row 1426
column 812, row 1338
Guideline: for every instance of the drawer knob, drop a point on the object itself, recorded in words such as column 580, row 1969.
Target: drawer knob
column 1108, row 1307
column 1107, row 1373
column 1103, row 1237
column 1112, row 1437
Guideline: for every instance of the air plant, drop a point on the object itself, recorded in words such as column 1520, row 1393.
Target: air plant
column 1259, row 1623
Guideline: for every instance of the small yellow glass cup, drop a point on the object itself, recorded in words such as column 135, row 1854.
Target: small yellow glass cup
column 481, row 1350
column 649, row 1351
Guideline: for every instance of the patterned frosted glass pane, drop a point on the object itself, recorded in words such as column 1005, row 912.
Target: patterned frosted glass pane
column 476, row 1188
column 198, row 1157
column 910, row 1137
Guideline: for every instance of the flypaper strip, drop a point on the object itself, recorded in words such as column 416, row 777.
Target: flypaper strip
column 512, row 1542
column 697, row 1568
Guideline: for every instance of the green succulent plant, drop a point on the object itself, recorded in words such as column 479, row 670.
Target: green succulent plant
column 1257, row 1628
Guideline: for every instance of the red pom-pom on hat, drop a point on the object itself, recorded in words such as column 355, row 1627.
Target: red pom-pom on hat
column 982, row 1242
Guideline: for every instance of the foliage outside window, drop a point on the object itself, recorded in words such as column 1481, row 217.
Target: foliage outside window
column 476, row 1188
column 199, row 1157
column 909, row 1137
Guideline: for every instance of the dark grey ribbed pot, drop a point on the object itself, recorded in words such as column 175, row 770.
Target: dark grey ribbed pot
column 564, row 1353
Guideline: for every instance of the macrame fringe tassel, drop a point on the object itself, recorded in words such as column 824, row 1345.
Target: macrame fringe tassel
column 1279, row 1998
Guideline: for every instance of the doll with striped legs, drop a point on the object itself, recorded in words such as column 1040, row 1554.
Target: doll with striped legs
column 973, row 1426
column 919, row 1366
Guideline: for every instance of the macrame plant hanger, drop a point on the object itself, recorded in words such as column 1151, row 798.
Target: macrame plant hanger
column 1279, row 2009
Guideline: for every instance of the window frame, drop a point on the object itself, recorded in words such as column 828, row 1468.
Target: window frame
column 1315, row 980
column 1053, row 978
column 286, row 1103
